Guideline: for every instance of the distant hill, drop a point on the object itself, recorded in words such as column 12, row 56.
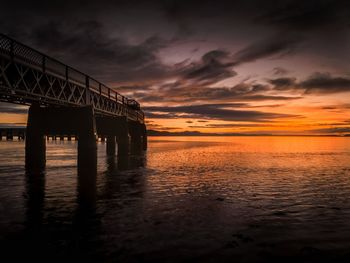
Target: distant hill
column 197, row 133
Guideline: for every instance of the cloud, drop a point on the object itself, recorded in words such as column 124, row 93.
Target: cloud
column 132, row 88
column 89, row 47
column 283, row 83
column 337, row 107
column 183, row 93
column 325, row 83
column 177, row 53
column 280, row 44
column 226, row 125
column 307, row 15
column 213, row 67
column 318, row 83
column 217, row 112
column 334, row 130
column 280, row 71
column 149, row 114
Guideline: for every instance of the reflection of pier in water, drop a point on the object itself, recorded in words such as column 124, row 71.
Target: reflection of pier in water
column 82, row 225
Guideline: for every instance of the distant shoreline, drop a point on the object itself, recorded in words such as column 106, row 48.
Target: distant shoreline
column 196, row 133
column 153, row 133
column 250, row 135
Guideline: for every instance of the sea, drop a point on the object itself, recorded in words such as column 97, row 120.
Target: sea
column 185, row 199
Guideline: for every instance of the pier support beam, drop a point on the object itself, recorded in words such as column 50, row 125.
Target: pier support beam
column 123, row 139
column 111, row 142
column 9, row 135
column 114, row 127
column 60, row 121
column 144, row 137
column 86, row 131
column 135, row 131
column 21, row 136
column 35, row 144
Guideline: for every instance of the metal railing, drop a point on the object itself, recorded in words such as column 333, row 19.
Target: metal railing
column 15, row 50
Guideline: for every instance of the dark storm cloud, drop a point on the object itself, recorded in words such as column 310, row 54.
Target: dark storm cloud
column 325, row 83
column 283, row 83
column 318, row 83
column 280, row 44
column 218, row 112
column 77, row 34
column 92, row 50
column 296, row 14
column 213, row 67
column 307, row 15
column 188, row 92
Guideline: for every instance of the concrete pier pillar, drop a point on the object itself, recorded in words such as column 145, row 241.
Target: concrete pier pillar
column 35, row 144
column 115, row 126
column 21, row 136
column 123, row 144
column 135, row 131
column 9, row 135
column 87, row 135
column 87, row 159
column 111, row 142
column 123, row 139
column 144, row 137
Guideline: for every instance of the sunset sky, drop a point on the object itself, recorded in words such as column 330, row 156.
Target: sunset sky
column 275, row 67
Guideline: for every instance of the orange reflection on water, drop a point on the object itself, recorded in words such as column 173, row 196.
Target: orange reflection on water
column 225, row 163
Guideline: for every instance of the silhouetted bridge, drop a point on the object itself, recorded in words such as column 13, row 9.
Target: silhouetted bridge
column 65, row 101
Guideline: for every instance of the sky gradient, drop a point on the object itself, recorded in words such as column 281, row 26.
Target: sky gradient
column 255, row 67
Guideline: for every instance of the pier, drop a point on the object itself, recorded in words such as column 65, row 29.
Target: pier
column 65, row 103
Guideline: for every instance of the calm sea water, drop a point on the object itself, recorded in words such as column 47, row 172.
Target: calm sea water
column 206, row 199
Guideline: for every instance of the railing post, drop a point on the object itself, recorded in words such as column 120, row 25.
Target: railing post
column 87, row 90
column 109, row 93
column 99, row 88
